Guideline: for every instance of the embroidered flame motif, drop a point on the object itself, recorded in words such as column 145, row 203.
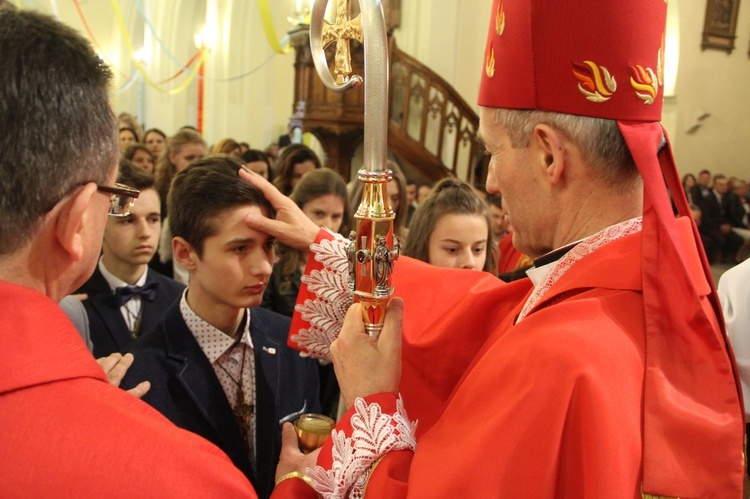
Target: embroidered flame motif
column 489, row 65
column 645, row 84
column 595, row 81
column 660, row 61
column 500, row 19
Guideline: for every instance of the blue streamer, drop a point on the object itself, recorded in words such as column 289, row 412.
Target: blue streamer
column 128, row 84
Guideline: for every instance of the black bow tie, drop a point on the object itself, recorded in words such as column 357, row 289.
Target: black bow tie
column 125, row 293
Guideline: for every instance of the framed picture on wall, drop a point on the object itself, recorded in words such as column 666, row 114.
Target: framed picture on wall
column 720, row 24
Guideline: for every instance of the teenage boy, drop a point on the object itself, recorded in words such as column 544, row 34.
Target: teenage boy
column 125, row 297
column 218, row 366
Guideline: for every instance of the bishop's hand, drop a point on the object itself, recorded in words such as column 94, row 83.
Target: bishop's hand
column 291, row 226
column 115, row 366
column 366, row 365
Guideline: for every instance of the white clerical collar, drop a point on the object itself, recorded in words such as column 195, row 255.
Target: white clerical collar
column 213, row 342
column 547, row 278
column 545, row 263
column 114, row 281
column 537, row 274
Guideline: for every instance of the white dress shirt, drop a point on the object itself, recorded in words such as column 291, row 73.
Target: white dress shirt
column 131, row 311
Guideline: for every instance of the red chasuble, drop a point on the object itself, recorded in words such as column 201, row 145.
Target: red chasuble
column 550, row 406
column 66, row 432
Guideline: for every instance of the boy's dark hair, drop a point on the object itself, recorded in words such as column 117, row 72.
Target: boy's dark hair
column 203, row 191
column 134, row 176
column 57, row 130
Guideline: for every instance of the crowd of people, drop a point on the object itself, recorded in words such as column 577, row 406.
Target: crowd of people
column 533, row 334
column 720, row 207
column 287, row 166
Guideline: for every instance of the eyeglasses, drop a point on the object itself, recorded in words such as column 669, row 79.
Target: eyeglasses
column 122, row 200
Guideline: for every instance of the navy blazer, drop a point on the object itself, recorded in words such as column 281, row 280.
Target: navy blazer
column 109, row 331
column 185, row 388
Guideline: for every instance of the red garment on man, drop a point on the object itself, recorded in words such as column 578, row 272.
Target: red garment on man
column 66, row 432
column 551, row 406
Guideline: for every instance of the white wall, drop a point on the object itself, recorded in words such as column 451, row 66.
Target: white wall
column 254, row 108
column 717, row 83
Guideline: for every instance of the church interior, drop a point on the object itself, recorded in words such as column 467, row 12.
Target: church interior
column 609, row 307
column 237, row 68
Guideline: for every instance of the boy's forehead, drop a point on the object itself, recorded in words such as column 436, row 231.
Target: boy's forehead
column 232, row 217
column 148, row 197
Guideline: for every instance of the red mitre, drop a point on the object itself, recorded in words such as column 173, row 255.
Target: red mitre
column 605, row 59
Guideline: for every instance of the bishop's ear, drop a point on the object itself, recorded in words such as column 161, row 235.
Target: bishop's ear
column 76, row 217
column 183, row 253
column 551, row 146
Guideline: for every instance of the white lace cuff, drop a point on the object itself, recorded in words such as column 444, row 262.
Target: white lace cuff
column 328, row 283
column 374, row 434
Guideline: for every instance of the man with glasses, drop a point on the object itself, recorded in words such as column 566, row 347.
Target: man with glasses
column 64, row 429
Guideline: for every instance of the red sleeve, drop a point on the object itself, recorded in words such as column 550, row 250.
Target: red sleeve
column 383, row 476
column 374, row 437
column 390, row 475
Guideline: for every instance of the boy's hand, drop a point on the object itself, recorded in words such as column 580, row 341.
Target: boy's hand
column 291, row 459
column 291, row 227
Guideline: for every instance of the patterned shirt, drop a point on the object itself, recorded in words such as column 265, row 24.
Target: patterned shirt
column 234, row 364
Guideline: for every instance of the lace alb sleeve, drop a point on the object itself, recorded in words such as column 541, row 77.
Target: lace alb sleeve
column 372, row 433
column 324, row 296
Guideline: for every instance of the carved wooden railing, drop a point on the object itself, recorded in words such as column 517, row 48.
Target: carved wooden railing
column 431, row 127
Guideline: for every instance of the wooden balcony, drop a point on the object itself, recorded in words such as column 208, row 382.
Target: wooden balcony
column 431, row 129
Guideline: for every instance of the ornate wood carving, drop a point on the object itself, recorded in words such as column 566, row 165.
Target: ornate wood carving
column 430, row 126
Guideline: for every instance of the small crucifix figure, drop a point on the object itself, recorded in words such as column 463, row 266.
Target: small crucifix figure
column 242, row 412
column 341, row 32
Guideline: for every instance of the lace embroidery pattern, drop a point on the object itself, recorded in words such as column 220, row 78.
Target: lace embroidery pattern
column 325, row 313
column 585, row 247
column 374, row 435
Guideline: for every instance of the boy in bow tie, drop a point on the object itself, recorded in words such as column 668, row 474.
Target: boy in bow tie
column 125, row 297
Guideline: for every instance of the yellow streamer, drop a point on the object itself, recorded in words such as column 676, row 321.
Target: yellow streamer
column 269, row 29
column 151, row 83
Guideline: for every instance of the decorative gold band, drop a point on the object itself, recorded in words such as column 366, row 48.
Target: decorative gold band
column 295, row 474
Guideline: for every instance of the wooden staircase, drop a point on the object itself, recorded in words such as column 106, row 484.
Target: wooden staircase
column 431, row 130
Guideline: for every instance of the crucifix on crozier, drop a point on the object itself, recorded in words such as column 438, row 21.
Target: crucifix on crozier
column 342, row 32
